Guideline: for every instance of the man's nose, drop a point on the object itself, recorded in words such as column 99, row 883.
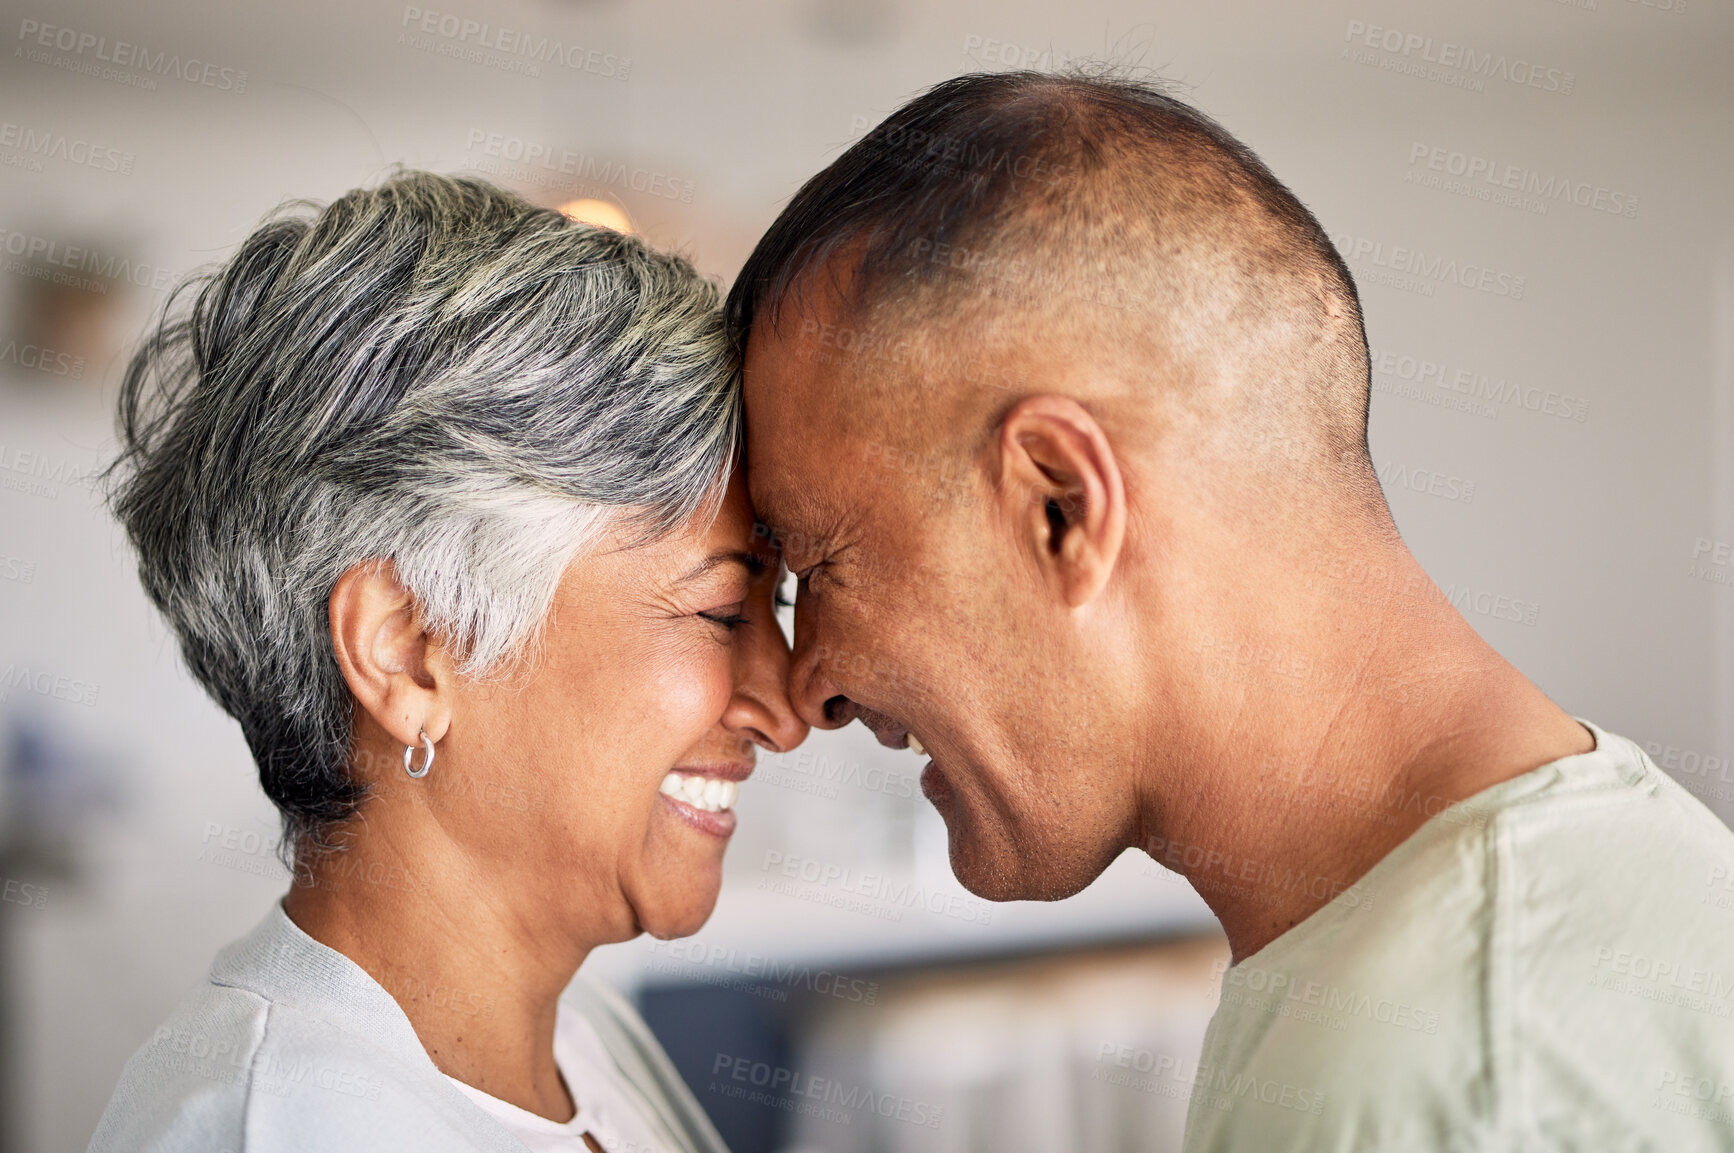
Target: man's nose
column 821, row 703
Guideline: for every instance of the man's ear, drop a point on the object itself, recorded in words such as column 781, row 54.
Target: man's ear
column 1065, row 495
column 396, row 674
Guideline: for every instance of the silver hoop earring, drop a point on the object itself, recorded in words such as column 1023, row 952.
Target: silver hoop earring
column 427, row 759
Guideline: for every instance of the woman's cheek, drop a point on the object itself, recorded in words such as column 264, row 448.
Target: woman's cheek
column 694, row 693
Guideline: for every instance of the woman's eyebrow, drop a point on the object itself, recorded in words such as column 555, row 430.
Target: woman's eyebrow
column 730, row 556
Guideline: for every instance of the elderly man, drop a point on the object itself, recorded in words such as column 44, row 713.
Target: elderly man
column 1058, row 401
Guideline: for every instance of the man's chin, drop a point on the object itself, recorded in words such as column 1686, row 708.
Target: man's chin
column 994, row 869
column 992, row 862
column 993, row 880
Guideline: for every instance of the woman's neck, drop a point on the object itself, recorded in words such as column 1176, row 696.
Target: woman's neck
column 476, row 975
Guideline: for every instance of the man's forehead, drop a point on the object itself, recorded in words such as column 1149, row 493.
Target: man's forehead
column 806, row 478
column 788, row 478
column 785, row 358
column 775, row 376
column 793, row 334
column 793, row 413
column 817, row 381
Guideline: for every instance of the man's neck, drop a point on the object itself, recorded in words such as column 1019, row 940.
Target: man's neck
column 1333, row 740
column 448, row 947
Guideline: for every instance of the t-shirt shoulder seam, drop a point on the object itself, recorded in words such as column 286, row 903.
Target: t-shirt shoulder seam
column 258, row 1054
column 1637, row 785
column 1501, row 1022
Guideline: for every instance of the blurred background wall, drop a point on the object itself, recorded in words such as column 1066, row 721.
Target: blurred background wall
column 1533, row 194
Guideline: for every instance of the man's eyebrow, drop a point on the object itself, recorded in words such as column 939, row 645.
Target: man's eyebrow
column 717, row 559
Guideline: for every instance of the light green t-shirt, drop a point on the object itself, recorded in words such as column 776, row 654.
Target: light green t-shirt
column 1548, row 965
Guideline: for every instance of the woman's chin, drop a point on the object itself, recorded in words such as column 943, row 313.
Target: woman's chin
column 682, row 877
column 679, row 915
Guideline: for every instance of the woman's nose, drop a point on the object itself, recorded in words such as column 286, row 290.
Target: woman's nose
column 760, row 708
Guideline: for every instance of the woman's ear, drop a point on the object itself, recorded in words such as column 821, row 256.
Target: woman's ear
column 395, row 673
column 1064, row 492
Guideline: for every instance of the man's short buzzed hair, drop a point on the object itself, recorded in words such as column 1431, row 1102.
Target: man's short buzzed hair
column 1109, row 212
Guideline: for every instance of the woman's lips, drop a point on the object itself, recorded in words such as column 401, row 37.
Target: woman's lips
column 716, row 824
column 704, row 795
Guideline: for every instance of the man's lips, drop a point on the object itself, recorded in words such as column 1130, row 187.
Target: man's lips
column 888, row 732
column 935, row 787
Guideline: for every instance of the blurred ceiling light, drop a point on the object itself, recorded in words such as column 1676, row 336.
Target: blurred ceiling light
column 598, row 212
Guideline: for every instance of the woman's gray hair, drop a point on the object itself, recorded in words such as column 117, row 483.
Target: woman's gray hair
column 432, row 372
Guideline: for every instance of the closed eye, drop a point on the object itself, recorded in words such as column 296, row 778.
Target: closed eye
column 732, row 620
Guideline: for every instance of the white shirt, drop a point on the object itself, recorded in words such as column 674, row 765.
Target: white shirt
column 609, row 1109
column 292, row 1047
column 1548, row 965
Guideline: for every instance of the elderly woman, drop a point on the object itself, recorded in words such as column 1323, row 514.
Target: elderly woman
column 438, row 492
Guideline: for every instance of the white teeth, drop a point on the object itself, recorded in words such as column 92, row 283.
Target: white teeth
column 707, row 793
column 915, row 746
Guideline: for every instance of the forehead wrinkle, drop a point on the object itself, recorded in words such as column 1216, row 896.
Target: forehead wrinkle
column 818, row 531
column 801, row 523
column 780, row 501
column 714, row 561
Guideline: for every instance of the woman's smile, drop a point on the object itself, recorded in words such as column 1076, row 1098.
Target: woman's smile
column 704, row 795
